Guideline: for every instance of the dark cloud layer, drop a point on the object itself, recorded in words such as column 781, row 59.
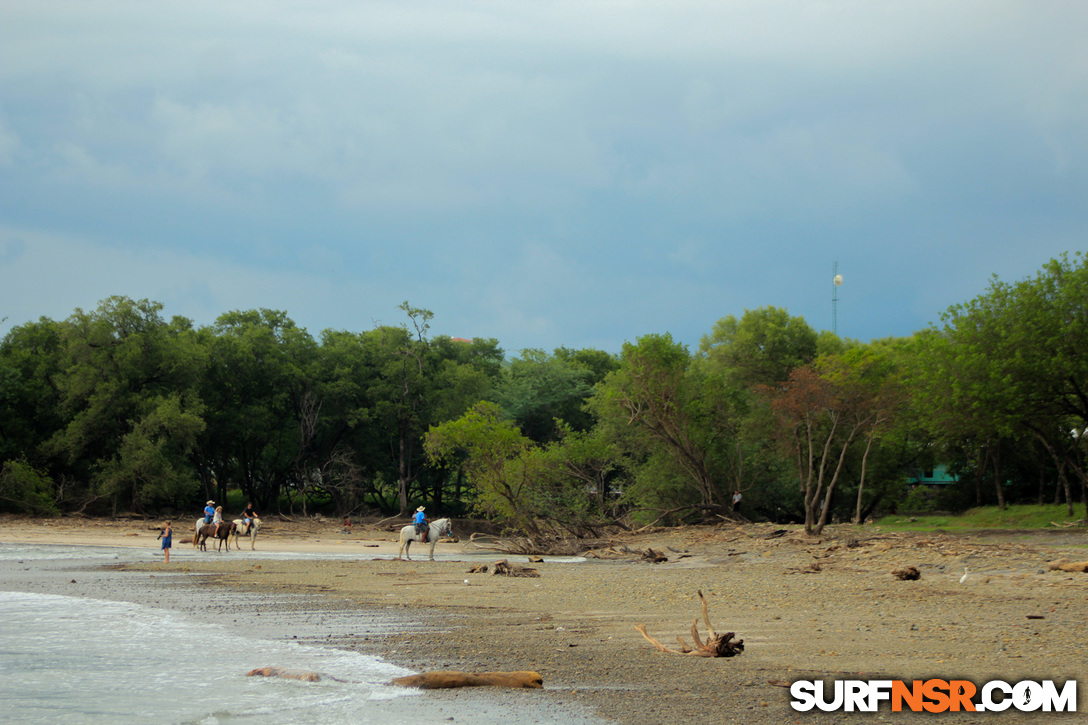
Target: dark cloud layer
column 546, row 173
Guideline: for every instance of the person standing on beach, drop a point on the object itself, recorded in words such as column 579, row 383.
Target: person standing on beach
column 167, row 540
column 736, row 502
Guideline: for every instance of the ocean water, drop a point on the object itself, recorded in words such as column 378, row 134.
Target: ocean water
column 109, row 655
column 183, row 552
column 79, row 660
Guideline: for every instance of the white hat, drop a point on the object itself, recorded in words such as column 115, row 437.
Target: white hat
column 210, row 503
column 419, row 509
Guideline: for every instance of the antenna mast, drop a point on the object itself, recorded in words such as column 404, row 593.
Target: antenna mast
column 836, row 281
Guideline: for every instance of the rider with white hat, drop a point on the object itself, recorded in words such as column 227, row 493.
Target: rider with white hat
column 420, row 520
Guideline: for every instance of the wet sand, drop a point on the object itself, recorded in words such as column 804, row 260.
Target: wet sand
column 806, row 609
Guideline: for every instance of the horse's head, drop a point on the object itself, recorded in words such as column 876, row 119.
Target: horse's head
column 447, row 527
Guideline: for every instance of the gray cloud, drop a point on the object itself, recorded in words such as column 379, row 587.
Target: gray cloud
column 545, row 173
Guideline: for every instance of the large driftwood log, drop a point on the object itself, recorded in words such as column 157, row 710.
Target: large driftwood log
column 1066, row 565
column 444, row 680
column 303, row 675
column 716, row 645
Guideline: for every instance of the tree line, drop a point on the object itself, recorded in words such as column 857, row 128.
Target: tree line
column 121, row 410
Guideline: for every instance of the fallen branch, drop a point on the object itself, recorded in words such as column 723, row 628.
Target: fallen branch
column 716, row 645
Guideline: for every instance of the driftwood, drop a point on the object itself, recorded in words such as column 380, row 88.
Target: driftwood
column 505, row 568
column 303, row 675
column 478, row 569
column 528, row 546
column 716, row 645
column 1070, row 566
column 813, row 567
column 655, row 557
column 626, row 552
column 425, row 680
column 445, row 680
column 909, row 573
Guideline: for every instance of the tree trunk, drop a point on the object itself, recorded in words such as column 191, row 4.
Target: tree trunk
column 861, row 483
column 997, row 477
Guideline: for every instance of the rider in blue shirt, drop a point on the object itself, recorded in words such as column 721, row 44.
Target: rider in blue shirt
column 420, row 520
column 209, row 512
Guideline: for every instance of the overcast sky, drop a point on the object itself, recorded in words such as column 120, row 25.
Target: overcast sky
column 545, row 173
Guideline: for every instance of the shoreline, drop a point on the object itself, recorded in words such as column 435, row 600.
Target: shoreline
column 574, row 624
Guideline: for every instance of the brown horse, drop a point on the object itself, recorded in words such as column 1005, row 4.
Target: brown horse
column 207, row 531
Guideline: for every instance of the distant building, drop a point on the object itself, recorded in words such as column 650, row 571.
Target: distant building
column 938, row 475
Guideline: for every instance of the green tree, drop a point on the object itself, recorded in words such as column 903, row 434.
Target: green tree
column 259, row 363
column 30, row 357
column 653, row 393
column 124, row 370
column 538, row 390
column 23, row 489
column 494, row 455
column 762, row 347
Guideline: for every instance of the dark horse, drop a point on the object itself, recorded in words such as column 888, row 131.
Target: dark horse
column 207, row 531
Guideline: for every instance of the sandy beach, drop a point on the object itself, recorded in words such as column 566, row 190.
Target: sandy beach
column 806, row 608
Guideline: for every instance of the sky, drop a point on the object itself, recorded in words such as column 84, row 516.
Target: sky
column 542, row 172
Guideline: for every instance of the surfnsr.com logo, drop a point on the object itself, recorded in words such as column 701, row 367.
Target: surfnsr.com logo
column 934, row 695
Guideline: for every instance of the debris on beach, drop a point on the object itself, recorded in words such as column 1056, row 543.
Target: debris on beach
column 451, row 679
column 625, row 552
column 478, row 569
column 716, row 645
column 813, row 567
column 908, row 573
column 505, row 568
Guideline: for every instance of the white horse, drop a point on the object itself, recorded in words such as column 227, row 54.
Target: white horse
column 196, row 531
column 242, row 530
column 436, row 530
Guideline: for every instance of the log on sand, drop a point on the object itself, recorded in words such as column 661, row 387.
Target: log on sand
column 1070, row 566
column 303, row 675
column 425, row 680
column 443, row 680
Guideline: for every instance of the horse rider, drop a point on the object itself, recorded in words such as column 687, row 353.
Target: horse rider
column 209, row 512
column 249, row 514
column 217, row 519
column 420, row 520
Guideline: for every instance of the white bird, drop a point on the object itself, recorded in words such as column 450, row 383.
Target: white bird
column 964, row 577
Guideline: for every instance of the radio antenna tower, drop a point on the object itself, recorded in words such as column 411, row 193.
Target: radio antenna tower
column 836, row 282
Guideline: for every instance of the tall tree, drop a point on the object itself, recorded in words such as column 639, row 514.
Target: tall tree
column 128, row 390
column 653, row 392
column 255, row 388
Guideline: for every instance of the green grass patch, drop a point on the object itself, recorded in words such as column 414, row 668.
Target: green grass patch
column 990, row 517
